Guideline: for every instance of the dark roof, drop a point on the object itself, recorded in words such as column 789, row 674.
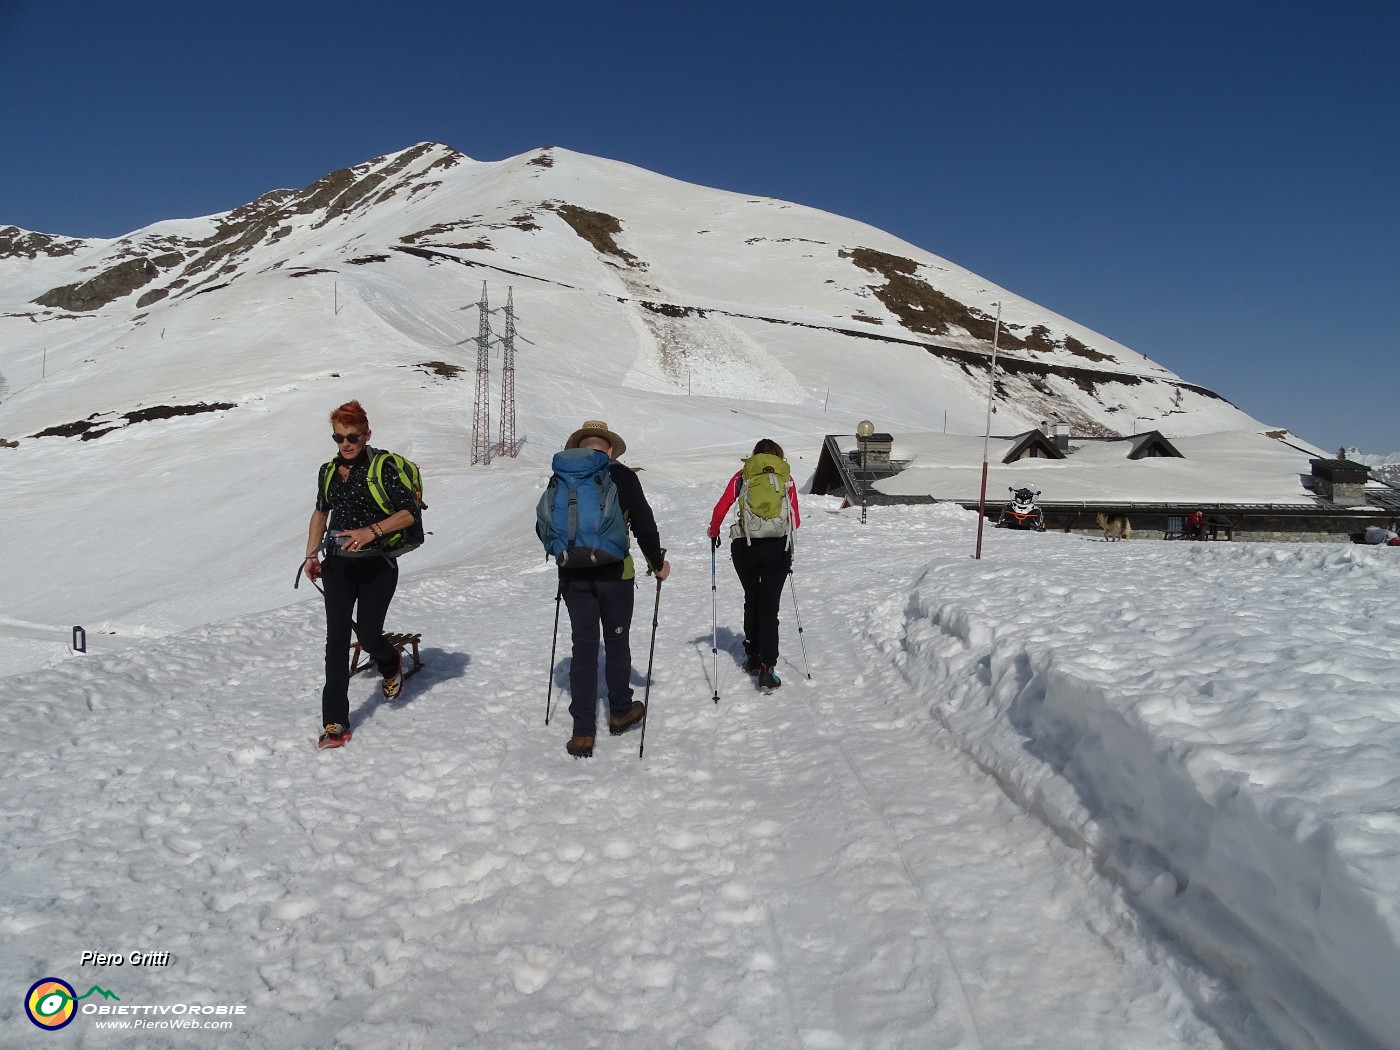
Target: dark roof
column 1032, row 438
column 1340, row 470
column 1144, row 443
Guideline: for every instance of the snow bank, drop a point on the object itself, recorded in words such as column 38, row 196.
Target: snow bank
column 1216, row 724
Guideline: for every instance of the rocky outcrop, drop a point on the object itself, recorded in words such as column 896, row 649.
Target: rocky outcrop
column 17, row 243
column 109, row 285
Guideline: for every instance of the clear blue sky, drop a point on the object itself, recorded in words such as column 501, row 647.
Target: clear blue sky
column 1215, row 184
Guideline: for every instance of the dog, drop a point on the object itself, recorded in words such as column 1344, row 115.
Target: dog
column 1115, row 527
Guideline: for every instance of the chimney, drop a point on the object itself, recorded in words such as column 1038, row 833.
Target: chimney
column 1061, row 435
column 874, row 448
column 1341, row 481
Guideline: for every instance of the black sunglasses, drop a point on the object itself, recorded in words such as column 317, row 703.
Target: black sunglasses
column 342, row 439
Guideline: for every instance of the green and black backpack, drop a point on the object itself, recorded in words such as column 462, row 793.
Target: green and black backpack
column 404, row 540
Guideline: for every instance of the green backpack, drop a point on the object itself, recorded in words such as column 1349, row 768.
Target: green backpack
column 404, row 540
column 764, row 512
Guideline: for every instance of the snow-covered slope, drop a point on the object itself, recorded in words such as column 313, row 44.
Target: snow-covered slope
column 214, row 347
column 1073, row 795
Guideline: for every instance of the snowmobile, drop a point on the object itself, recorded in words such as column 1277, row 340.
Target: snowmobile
column 1022, row 512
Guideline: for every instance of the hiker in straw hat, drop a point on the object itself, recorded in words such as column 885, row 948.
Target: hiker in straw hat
column 599, row 589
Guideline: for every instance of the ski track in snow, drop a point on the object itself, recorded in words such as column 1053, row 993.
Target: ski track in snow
column 814, row 870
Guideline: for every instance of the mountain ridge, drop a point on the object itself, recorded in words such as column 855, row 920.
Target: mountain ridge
column 677, row 256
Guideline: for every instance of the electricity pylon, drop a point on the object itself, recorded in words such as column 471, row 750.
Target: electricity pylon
column 507, row 445
column 481, row 405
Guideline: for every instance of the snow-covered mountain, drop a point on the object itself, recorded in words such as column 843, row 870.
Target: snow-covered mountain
column 1383, row 467
column 1073, row 794
column 688, row 288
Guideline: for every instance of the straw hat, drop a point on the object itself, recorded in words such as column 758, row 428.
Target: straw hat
column 597, row 428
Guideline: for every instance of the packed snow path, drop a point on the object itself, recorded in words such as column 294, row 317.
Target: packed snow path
column 817, row 869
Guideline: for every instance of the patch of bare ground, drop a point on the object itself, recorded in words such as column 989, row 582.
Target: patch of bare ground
column 144, row 415
column 597, row 228
column 437, row 230
column 88, row 430
column 1040, row 340
column 365, row 260
column 64, row 430
column 544, row 158
column 1074, row 346
column 441, row 230
column 39, row 318
column 919, row 306
column 670, row 309
column 308, row 273
column 866, row 318
column 440, row 368
column 922, row 308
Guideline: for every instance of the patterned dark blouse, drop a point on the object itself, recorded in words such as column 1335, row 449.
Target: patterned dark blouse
column 350, row 504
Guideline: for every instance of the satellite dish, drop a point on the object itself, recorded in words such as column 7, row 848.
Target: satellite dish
column 865, row 428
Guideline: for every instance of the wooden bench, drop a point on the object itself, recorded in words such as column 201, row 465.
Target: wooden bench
column 1215, row 527
column 401, row 642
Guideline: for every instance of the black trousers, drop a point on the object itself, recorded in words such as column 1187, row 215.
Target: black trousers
column 763, row 568
column 368, row 583
column 595, row 605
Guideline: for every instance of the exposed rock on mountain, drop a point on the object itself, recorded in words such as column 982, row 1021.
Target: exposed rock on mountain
column 109, row 285
column 17, row 243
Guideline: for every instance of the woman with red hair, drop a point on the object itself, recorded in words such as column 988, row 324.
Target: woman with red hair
column 350, row 525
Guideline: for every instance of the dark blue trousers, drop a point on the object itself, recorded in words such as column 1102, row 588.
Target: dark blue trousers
column 599, row 607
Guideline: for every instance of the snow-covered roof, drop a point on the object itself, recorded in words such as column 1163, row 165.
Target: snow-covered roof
column 1227, row 467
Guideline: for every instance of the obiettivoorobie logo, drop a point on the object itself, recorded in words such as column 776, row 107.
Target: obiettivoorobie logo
column 52, row 1003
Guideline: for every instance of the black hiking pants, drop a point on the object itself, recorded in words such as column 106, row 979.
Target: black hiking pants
column 595, row 605
column 368, row 583
column 763, row 568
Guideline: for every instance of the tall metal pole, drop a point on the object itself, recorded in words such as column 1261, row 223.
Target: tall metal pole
column 507, row 446
column 481, row 407
column 987, row 435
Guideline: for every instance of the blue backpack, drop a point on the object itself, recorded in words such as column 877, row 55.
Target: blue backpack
column 579, row 519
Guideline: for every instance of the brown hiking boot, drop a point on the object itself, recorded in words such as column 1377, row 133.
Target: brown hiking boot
column 619, row 724
column 580, row 746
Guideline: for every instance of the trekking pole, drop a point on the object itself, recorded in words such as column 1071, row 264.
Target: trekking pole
column 553, row 645
column 793, row 587
column 646, row 696
column 714, row 623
